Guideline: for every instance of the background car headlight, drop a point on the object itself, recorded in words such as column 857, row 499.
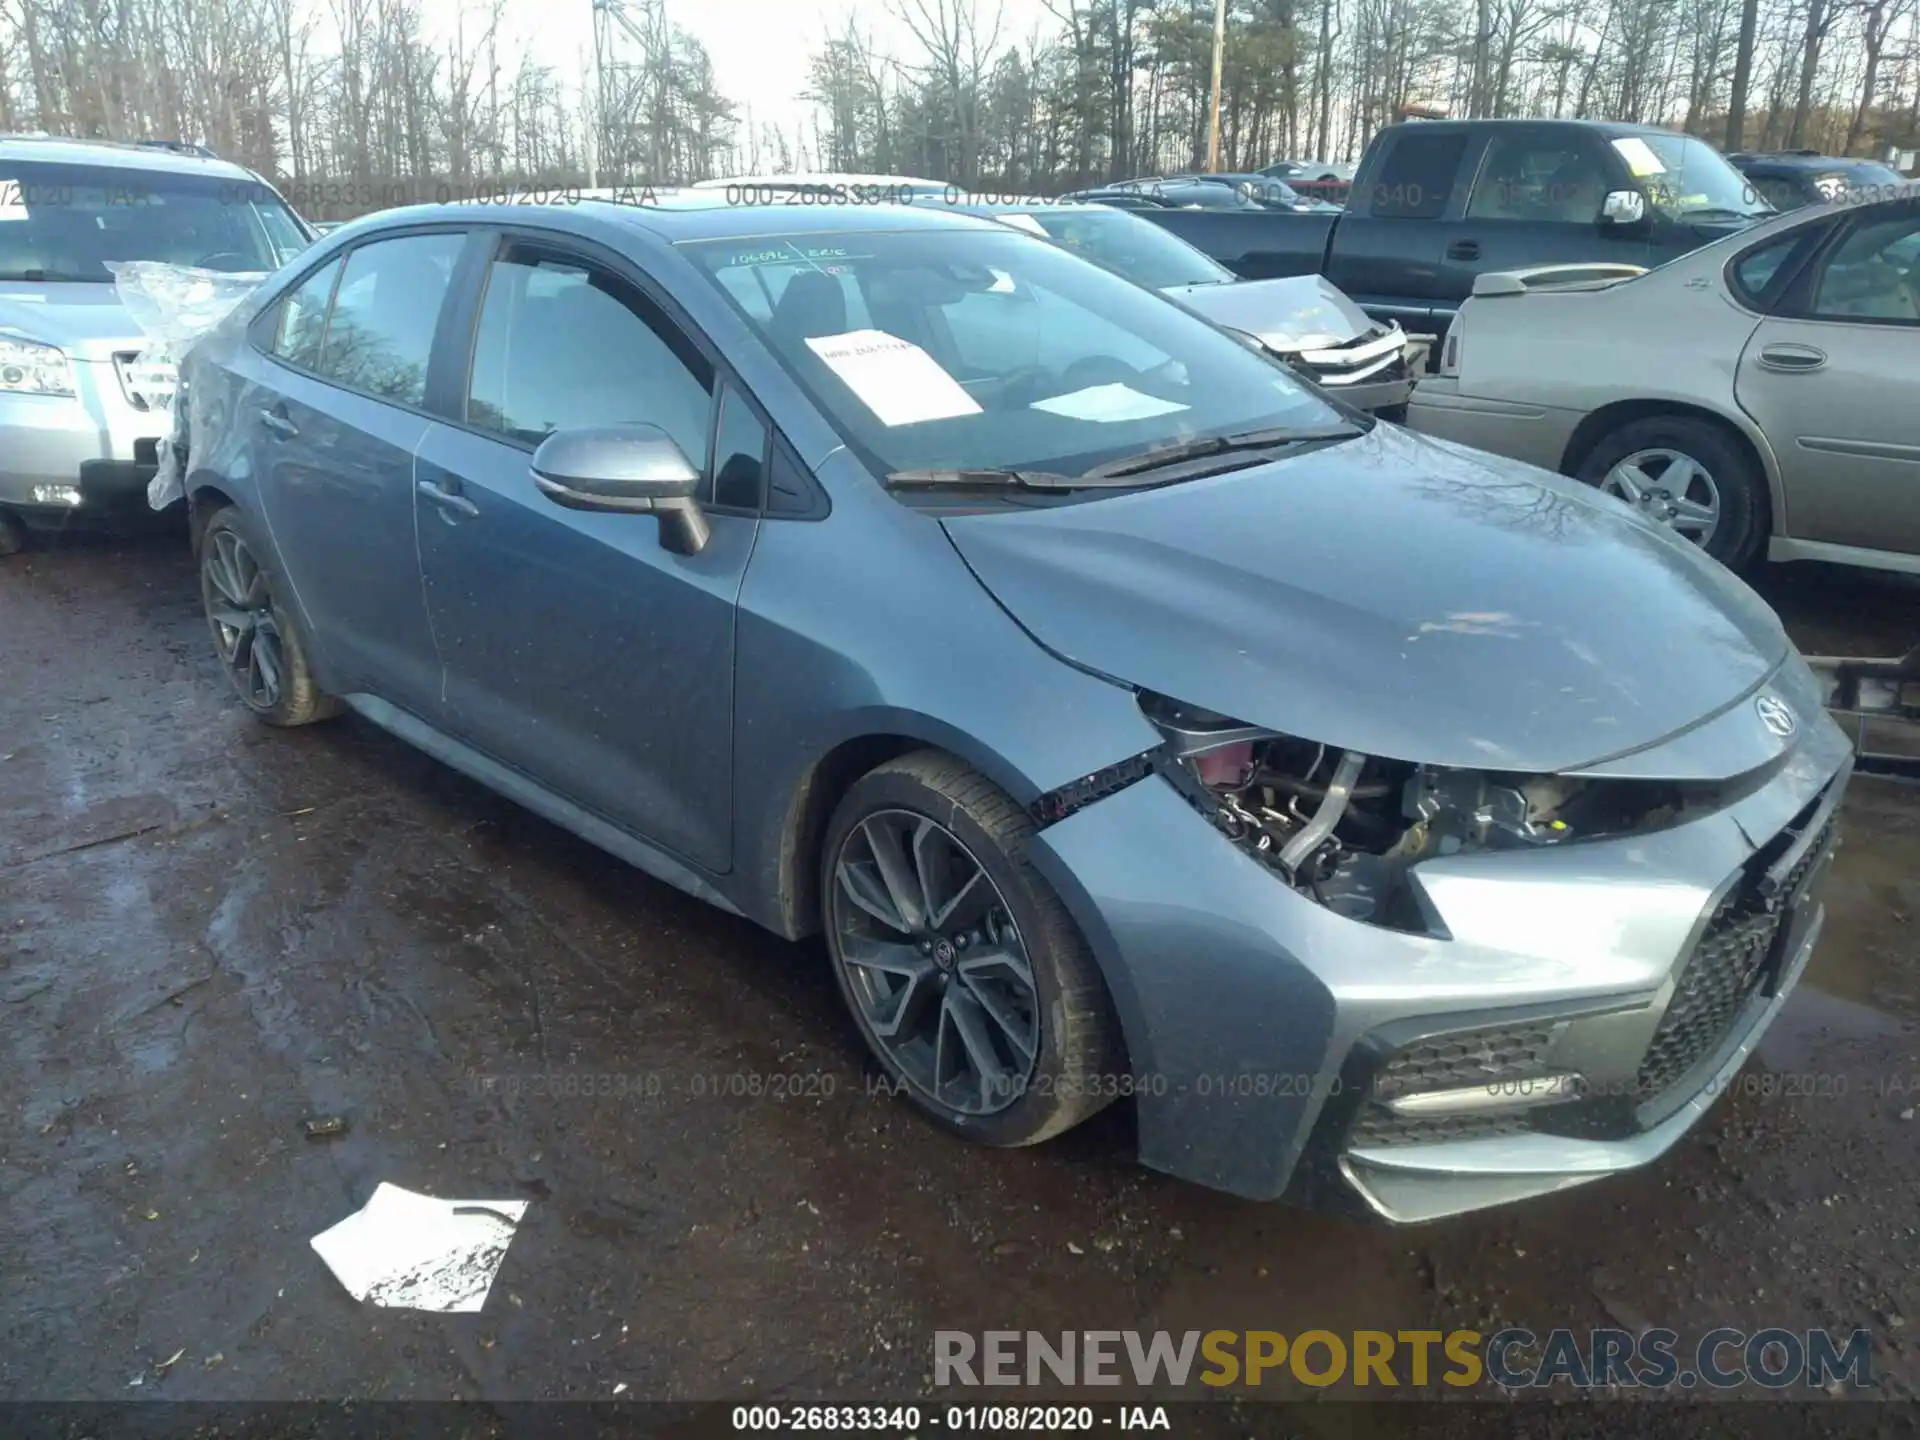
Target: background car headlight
column 30, row 368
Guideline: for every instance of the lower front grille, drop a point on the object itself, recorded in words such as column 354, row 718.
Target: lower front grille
column 1464, row 1058
column 1732, row 963
column 1376, row 1127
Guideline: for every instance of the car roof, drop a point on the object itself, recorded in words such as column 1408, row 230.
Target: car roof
column 1026, row 207
column 677, row 216
column 1604, row 127
column 115, row 154
column 821, row 177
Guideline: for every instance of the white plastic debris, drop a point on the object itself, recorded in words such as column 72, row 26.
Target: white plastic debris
column 174, row 305
column 405, row 1251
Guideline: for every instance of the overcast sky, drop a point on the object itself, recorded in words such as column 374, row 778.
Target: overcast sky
column 760, row 48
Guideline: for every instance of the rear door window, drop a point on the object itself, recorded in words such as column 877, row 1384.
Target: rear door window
column 379, row 336
column 1417, row 176
column 1874, row 275
column 302, row 318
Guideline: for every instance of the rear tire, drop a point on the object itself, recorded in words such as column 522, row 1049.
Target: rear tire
column 13, row 533
column 1004, row 976
column 1650, row 456
column 257, row 641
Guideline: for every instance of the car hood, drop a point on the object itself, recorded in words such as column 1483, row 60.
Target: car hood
column 1392, row 594
column 1300, row 312
column 87, row 321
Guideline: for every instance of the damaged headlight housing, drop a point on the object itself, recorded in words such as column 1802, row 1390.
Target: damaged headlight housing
column 29, row 368
column 1345, row 828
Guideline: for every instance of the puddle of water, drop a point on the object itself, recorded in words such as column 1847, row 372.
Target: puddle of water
column 1869, row 953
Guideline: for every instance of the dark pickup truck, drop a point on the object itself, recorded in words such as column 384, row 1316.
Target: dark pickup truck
column 1437, row 202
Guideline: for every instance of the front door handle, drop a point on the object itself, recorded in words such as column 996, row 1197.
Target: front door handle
column 276, row 420
column 449, row 501
column 1463, row 250
column 1792, row 358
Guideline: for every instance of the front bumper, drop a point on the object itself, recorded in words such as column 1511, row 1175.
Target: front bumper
column 67, row 457
column 1370, row 373
column 1259, row 1024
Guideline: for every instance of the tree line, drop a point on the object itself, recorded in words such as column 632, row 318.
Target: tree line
column 354, row 104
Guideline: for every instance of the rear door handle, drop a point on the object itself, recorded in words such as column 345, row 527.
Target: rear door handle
column 1792, row 357
column 276, row 420
column 450, row 501
column 1463, row 250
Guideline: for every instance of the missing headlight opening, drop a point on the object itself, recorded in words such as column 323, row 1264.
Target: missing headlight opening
column 1345, row 828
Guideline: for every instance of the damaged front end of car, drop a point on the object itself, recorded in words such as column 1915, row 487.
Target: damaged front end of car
column 1346, row 829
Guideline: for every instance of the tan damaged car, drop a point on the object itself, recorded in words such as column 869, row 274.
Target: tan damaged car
column 1760, row 395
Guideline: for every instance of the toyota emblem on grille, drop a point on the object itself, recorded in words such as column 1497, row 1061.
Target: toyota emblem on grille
column 1775, row 715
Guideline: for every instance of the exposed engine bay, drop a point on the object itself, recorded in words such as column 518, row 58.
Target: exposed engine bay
column 1345, row 827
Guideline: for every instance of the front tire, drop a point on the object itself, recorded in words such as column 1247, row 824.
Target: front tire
column 968, row 979
column 257, row 641
column 1689, row 475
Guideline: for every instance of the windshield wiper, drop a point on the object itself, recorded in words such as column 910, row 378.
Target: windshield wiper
column 1166, row 455
column 978, row 480
column 1115, row 474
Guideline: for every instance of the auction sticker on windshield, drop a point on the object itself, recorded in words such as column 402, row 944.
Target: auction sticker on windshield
column 1639, row 157
column 894, row 378
column 1108, row 403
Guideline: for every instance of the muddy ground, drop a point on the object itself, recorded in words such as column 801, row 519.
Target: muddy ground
column 211, row 932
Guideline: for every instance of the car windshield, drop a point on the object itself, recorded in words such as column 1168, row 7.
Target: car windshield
column 1140, row 250
column 1688, row 180
column 962, row 350
column 67, row 222
column 1862, row 180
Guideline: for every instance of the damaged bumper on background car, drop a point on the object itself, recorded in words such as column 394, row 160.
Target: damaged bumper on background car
column 1308, row 322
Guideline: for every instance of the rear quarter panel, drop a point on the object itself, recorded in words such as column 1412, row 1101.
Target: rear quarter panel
column 1665, row 337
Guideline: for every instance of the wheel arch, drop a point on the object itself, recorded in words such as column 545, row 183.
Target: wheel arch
column 1595, row 427
column 204, row 499
column 207, row 495
column 802, row 824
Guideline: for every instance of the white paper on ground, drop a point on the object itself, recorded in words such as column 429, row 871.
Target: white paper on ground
column 1108, row 403
column 406, row 1251
column 894, row 378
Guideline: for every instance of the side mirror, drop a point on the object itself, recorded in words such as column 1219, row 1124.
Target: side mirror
column 1623, row 208
column 630, row 469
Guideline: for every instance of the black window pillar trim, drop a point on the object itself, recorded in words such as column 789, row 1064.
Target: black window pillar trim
column 451, row 361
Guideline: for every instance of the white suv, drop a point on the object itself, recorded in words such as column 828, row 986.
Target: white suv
column 78, row 437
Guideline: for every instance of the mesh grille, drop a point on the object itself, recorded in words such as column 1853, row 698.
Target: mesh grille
column 1378, row 1126
column 1728, row 967
column 1466, row 1057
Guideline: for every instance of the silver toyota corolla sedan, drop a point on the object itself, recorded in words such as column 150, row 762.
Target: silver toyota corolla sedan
column 1388, row 823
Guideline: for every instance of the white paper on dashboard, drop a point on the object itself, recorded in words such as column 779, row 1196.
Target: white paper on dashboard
column 1641, row 160
column 894, row 378
column 1108, row 403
